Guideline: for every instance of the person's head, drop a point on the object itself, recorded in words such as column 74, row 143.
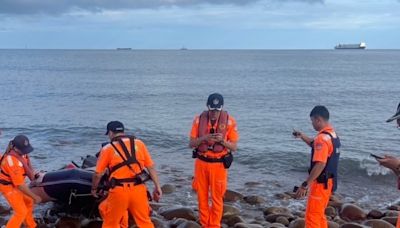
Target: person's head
column 21, row 145
column 114, row 129
column 319, row 117
column 396, row 117
column 215, row 103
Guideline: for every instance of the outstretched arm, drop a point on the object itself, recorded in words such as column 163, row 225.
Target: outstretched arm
column 302, row 136
column 157, row 193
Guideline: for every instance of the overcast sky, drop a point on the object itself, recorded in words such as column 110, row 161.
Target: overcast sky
column 209, row 24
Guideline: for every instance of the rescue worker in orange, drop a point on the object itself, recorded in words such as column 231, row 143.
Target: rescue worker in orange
column 129, row 166
column 322, row 179
column 213, row 136
column 15, row 165
column 392, row 162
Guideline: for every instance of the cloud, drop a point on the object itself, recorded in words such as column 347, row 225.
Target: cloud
column 63, row 6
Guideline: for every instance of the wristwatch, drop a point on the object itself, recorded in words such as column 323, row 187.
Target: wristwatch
column 304, row 184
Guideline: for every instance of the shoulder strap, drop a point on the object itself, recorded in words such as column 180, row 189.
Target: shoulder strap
column 327, row 133
column 130, row 158
column 203, row 124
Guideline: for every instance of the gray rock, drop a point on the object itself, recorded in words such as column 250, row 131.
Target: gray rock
column 156, row 206
column 391, row 220
column 351, row 212
column 230, row 210
column 330, row 211
column 375, row 214
column 244, row 225
column 332, row 224
column 283, row 196
column 158, row 223
column 276, row 210
column 254, row 200
column 168, row 188
column 336, row 201
column 234, row 219
column 282, row 220
column 352, row 225
column 189, row 224
column 232, row 196
column 177, row 222
column 182, row 212
column 273, row 217
column 297, row 223
column 377, row 223
column 391, row 214
column 276, row 225
column 339, row 221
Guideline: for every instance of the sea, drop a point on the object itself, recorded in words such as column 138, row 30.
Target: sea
column 63, row 99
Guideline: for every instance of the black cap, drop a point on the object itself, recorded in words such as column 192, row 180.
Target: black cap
column 115, row 126
column 395, row 116
column 21, row 142
column 215, row 101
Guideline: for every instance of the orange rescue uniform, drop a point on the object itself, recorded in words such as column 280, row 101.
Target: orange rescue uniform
column 211, row 178
column 129, row 197
column 13, row 173
column 318, row 197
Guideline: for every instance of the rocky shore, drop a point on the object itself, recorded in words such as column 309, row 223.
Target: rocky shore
column 244, row 211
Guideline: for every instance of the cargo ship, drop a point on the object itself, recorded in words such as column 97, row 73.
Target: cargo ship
column 124, row 49
column 351, row 46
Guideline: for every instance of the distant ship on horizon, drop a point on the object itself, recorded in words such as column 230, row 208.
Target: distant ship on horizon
column 124, row 49
column 361, row 45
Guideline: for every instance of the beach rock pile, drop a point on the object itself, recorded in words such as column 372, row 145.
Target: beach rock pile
column 243, row 211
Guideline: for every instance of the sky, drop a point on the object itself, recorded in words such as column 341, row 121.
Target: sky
column 198, row 24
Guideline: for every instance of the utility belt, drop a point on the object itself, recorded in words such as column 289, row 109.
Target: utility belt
column 140, row 178
column 324, row 178
column 227, row 160
column 4, row 182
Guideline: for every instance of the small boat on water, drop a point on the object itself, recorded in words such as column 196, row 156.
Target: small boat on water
column 69, row 186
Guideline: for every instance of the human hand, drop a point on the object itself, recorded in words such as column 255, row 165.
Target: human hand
column 37, row 199
column 297, row 134
column 217, row 137
column 389, row 161
column 94, row 193
column 208, row 137
column 157, row 193
column 301, row 192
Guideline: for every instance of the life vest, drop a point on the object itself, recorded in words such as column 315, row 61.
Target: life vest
column 128, row 160
column 331, row 167
column 26, row 164
column 221, row 127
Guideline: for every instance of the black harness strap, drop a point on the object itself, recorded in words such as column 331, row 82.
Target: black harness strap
column 4, row 182
column 130, row 158
column 211, row 160
column 4, row 173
